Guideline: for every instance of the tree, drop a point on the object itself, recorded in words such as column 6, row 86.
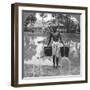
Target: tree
column 31, row 19
column 58, row 17
column 67, row 22
column 43, row 15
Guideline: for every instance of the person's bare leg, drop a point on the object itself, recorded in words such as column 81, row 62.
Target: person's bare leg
column 57, row 61
column 53, row 61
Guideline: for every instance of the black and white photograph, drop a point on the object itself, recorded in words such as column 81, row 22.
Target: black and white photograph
column 50, row 44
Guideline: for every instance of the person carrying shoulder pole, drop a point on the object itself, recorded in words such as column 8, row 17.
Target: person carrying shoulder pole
column 57, row 39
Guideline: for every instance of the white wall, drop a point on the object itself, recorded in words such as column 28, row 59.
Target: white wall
column 5, row 44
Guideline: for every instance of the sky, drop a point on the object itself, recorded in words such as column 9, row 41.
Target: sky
column 49, row 17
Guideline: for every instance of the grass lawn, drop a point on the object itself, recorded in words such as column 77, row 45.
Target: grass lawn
column 71, row 36
column 49, row 70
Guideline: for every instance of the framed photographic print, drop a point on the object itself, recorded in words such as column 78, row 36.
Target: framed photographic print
column 48, row 44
